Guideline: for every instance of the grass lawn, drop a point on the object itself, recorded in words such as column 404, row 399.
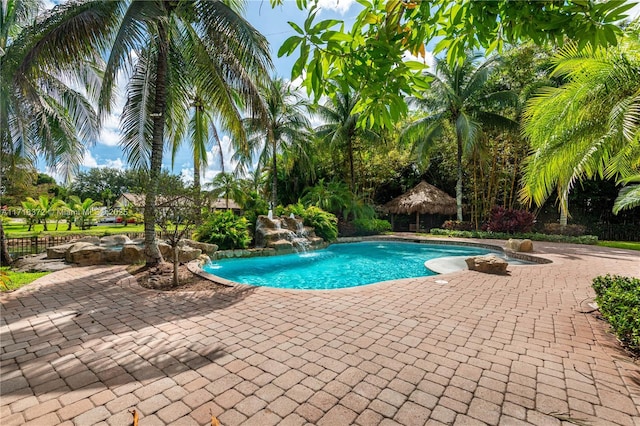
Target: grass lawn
column 629, row 245
column 13, row 280
column 19, row 230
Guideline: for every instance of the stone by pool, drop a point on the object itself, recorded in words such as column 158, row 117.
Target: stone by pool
column 339, row 265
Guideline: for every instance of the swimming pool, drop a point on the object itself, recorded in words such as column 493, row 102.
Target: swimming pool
column 339, row 265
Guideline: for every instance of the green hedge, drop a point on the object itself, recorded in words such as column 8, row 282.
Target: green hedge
column 371, row 226
column 618, row 299
column 534, row 236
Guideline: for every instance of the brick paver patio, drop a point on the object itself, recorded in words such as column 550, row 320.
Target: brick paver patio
column 86, row 345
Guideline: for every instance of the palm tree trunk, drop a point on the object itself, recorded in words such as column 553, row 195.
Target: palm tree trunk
column 352, row 176
column 153, row 255
column 564, row 208
column 197, row 188
column 274, row 169
column 5, row 256
column 459, row 181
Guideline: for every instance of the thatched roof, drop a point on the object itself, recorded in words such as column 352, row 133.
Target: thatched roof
column 423, row 199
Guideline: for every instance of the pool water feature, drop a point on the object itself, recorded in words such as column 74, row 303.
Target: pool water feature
column 339, row 265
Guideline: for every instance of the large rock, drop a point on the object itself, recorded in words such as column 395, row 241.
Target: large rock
column 115, row 240
column 89, row 239
column 185, row 253
column 519, row 245
column 281, row 245
column 207, row 248
column 58, row 252
column 132, row 253
column 86, row 254
column 489, row 264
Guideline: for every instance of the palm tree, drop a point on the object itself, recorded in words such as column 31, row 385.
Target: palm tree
column 459, row 98
column 340, row 128
column 285, row 132
column 47, row 208
column 30, row 212
column 226, row 185
column 40, row 112
column 84, row 211
column 169, row 47
column 589, row 126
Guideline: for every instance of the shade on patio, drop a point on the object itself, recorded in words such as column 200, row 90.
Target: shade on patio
column 422, row 199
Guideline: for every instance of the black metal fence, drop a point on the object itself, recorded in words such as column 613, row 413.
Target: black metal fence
column 34, row 245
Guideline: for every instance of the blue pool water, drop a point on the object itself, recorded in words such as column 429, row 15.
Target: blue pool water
column 339, row 265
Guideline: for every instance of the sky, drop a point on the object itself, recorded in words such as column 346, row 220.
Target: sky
column 272, row 23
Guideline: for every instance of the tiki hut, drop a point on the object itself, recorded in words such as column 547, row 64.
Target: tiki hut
column 422, row 199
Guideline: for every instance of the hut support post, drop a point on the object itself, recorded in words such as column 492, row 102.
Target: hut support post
column 417, row 221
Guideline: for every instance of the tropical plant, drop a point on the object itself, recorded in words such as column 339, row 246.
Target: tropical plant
column 324, row 223
column 170, row 47
column 340, row 128
column 588, row 127
column 370, row 54
column 458, row 98
column 84, row 211
column 509, row 220
column 332, row 197
column 228, row 186
column 30, row 212
column 225, row 229
column 43, row 107
column 284, row 133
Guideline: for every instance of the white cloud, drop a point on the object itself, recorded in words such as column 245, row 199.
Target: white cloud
column 109, row 136
column 89, row 160
column 340, row 6
column 114, row 164
column 634, row 12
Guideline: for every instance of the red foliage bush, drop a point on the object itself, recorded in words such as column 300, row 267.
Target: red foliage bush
column 509, row 220
column 456, row 225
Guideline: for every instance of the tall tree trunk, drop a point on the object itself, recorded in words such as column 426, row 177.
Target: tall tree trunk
column 5, row 256
column 176, row 265
column 352, row 177
column 274, row 171
column 152, row 253
column 197, row 188
column 459, row 181
column 564, row 208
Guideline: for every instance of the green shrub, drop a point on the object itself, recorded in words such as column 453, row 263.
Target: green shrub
column 534, row 236
column 371, row 226
column 324, row 223
column 619, row 302
column 225, row 229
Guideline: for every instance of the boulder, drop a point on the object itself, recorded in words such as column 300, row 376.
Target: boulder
column 526, row 246
column 92, row 240
column 204, row 247
column 519, row 245
column 115, row 240
column 185, row 253
column 165, row 250
column 489, row 264
column 58, row 252
column 281, row 245
column 84, row 253
column 132, row 253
